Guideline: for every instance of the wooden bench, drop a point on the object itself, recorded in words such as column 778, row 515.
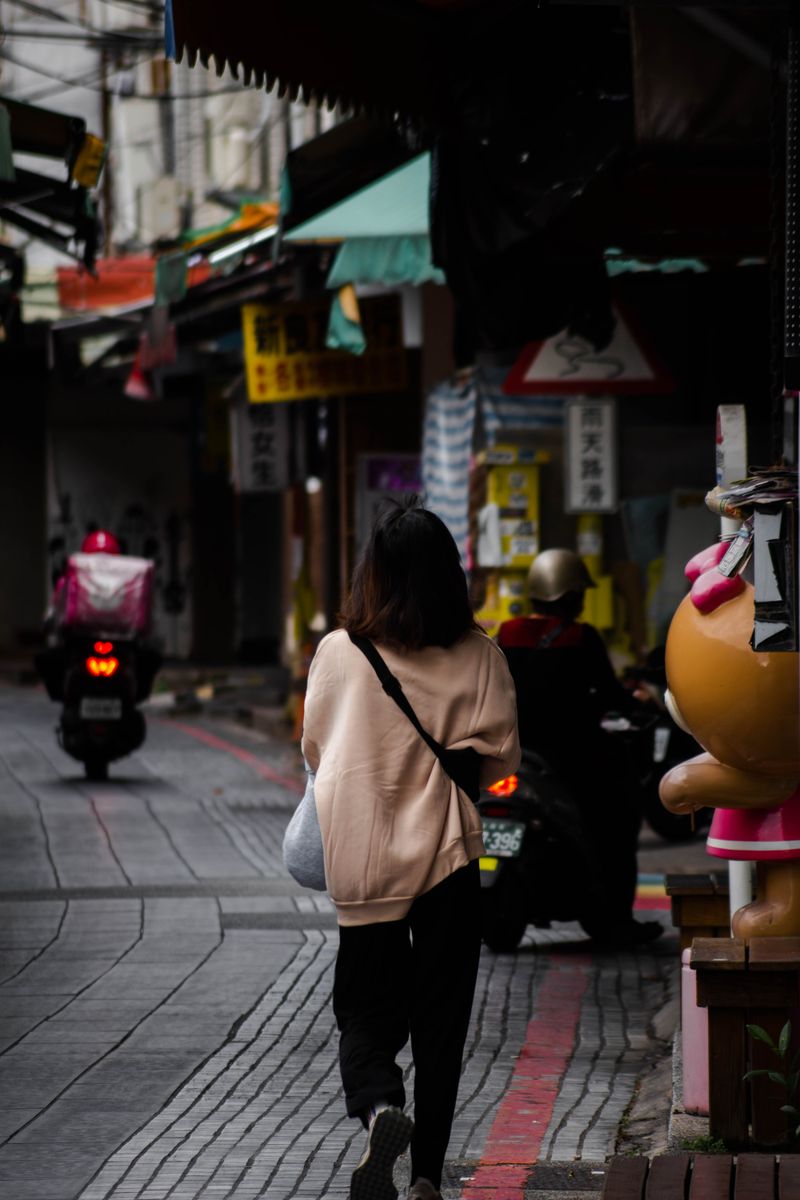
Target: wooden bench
column 757, row 984
column 700, row 905
column 704, row 1177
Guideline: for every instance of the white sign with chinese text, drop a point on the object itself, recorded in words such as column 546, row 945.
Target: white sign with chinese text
column 591, row 456
column 260, row 447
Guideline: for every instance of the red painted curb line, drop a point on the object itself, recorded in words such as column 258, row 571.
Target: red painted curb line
column 652, row 904
column 218, row 743
column 522, row 1120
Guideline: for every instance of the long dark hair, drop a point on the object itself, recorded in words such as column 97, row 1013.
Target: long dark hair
column 409, row 589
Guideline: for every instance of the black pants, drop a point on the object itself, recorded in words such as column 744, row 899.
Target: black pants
column 412, row 977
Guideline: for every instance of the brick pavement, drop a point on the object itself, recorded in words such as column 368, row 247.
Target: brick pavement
column 165, row 1023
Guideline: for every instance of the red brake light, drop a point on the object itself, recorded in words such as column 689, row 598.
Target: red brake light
column 505, row 787
column 495, row 810
column 102, row 666
column 103, row 647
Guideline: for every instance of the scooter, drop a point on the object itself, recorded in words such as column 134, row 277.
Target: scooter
column 538, row 866
column 100, row 682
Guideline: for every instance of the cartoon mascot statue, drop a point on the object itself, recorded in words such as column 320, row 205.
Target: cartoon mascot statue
column 743, row 707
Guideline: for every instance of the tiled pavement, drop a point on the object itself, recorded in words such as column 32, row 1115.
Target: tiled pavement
column 165, row 1024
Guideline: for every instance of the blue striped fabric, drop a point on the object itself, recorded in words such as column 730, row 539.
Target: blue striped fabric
column 446, row 452
column 502, row 413
column 448, row 432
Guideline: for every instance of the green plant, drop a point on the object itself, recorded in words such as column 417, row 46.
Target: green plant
column 789, row 1077
column 705, row 1144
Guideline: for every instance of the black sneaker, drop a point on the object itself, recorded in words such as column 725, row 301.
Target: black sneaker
column 389, row 1134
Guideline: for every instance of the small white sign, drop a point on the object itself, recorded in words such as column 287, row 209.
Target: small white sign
column 591, row 456
column 731, row 455
column 260, row 444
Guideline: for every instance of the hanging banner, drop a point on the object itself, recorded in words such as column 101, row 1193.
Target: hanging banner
column 286, row 357
column 260, row 445
column 591, row 456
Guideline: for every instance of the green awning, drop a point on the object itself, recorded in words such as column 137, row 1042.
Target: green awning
column 383, row 229
column 391, row 261
column 394, row 206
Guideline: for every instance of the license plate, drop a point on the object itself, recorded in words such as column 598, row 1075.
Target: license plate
column 93, row 708
column 502, row 839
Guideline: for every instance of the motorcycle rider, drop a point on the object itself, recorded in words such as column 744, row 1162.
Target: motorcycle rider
column 99, row 541
column 52, row 662
column 565, row 684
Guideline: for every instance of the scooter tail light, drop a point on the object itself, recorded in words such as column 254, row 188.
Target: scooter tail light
column 505, row 787
column 495, row 810
column 103, row 647
column 102, row 668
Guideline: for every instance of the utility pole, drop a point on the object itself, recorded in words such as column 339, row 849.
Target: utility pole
column 287, row 123
column 107, row 189
column 162, row 85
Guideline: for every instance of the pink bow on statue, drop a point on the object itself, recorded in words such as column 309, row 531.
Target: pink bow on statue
column 710, row 587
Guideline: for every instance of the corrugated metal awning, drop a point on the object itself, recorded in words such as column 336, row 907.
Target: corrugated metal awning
column 55, row 210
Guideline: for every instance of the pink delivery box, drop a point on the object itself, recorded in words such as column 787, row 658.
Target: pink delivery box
column 107, row 593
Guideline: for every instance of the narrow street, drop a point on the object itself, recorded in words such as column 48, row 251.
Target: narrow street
column 165, row 1023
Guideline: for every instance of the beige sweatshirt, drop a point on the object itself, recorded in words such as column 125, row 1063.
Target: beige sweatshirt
column 393, row 822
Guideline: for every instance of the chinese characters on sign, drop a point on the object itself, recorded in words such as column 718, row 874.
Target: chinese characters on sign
column 259, row 437
column 286, row 357
column 591, row 456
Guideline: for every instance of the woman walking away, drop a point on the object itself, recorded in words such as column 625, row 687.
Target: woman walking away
column 386, row 734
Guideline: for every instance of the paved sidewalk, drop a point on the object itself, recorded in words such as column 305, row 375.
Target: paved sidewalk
column 165, row 1022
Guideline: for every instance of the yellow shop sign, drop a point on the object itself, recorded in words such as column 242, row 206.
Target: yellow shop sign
column 286, row 357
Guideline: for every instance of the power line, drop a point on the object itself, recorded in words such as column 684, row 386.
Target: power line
column 148, row 6
column 90, row 83
column 89, row 40
column 50, row 14
column 83, row 82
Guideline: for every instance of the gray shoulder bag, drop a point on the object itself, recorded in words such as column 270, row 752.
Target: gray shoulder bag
column 302, row 842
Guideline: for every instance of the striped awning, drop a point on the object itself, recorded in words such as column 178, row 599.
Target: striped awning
column 375, row 56
column 390, row 57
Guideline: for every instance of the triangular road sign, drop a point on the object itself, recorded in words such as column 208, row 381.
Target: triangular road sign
column 568, row 365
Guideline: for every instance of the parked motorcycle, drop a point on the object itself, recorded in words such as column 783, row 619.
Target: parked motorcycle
column 100, row 683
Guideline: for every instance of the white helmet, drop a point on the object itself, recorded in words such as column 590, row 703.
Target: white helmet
column 553, row 573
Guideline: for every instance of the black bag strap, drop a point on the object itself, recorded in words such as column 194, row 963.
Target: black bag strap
column 547, row 639
column 393, row 687
column 461, row 765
